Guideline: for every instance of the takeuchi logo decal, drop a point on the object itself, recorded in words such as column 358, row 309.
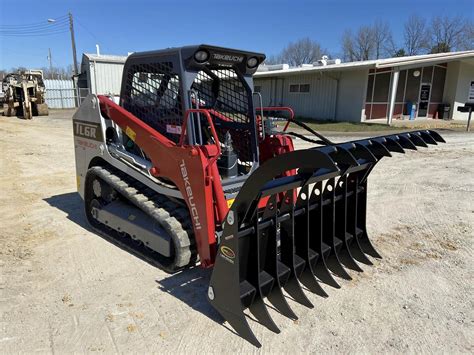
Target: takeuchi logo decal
column 227, row 252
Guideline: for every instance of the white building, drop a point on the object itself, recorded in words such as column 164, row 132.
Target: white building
column 331, row 90
column 359, row 91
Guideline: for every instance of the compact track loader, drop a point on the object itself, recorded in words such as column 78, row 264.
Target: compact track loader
column 189, row 168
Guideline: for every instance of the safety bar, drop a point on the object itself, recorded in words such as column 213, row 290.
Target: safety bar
column 211, row 125
column 280, row 108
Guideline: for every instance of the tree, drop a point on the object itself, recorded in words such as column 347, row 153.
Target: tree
column 416, row 35
column 303, row 51
column 358, row 46
column 450, row 33
column 384, row 45
column 400, row 53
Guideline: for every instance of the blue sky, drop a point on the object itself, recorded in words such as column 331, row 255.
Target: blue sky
column 122, row 26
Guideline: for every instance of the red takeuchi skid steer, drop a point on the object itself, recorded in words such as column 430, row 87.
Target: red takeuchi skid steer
column 190, row 168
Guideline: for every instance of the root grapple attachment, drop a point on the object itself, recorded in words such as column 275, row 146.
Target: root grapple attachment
column 284, row 230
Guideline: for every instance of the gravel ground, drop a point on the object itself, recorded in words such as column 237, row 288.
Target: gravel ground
column 64, row 289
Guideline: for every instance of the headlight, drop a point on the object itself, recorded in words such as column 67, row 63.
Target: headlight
column 252, row 62
column 201, row 56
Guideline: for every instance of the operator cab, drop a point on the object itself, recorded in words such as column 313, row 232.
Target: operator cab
column 160, row 86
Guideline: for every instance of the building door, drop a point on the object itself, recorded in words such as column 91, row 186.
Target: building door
column 423, row 105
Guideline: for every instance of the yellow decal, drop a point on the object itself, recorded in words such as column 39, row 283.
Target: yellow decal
column 230, row 202
column 78, row 181
column 228, row 252
column 130, row 133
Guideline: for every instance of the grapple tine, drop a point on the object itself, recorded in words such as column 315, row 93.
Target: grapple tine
column 416, row 139
column 361, row 228
column 302, row 234
column 258, row 277
column 436, row 136
column 345, row 255
column 241, row 326
column 405, row 142
column 316, row 243
column 274, row 267
column 427, row 137
column 287, row 251
column 392, row 144
column 329, row 236
column 352, row 200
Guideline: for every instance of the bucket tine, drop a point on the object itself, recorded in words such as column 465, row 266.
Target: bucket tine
column 361, row 229
column 287, row 251
column 389, row 143
column 436, row 136
column 241, row 326
column 274, row 267
column 405, row 142
column 316, row 243
column 355, row 248
column 258, row 277
column 341, row 225
column 427, row 137
column 302, row 233
column 329, row 236
column 416, row 139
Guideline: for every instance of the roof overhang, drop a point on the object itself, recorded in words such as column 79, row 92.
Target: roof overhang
column 400, row 63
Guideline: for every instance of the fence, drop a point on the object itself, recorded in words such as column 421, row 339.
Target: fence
column 62, row 94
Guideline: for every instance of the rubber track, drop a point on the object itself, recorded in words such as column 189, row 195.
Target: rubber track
column 173, row 218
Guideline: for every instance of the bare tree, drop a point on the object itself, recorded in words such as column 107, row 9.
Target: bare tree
column 415, row 35
column 449, row 33
column 303, row 51
column 358, row 46
column 384, row 46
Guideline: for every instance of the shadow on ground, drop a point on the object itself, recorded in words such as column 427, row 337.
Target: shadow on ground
column 70, row 203
column 189, row 286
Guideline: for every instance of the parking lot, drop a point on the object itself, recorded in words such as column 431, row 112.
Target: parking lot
column 65, row 289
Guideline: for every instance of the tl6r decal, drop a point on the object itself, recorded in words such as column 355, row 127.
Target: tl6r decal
column 89, row 130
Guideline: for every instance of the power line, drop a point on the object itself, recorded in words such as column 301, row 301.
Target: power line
column 35, row 25
column 34, row 34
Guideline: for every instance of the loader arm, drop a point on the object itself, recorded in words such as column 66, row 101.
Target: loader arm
column 190, row 168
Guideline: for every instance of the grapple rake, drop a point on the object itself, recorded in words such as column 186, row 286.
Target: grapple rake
column 312, row 226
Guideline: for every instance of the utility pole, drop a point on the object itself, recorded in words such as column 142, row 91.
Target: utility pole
column 73, row 42
column 50, row 63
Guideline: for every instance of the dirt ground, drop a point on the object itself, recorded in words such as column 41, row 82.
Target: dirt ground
column 64, row 289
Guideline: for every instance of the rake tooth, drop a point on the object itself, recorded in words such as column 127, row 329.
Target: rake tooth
column 257, row 276
column 273, row 266
column 302, row 235
column 287, row 251
column 436, row 136
column 388, row 143
column 427, row 137
column 361, row 213
column 241, row 326
column 352, row 216
column 320, row 269
column 329, row 236
column 405, row 142
column 393, row 145
column 259, row 310
column 345, row 254
column 416, row 139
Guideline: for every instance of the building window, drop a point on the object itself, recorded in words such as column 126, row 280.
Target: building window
column 294, row 88
column 299, row 88
column 257, row 88
column 304, row 88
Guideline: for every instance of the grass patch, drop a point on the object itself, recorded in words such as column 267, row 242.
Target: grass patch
column 321, row 125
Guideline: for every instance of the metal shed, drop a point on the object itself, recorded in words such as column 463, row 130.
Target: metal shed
column 101, row 74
